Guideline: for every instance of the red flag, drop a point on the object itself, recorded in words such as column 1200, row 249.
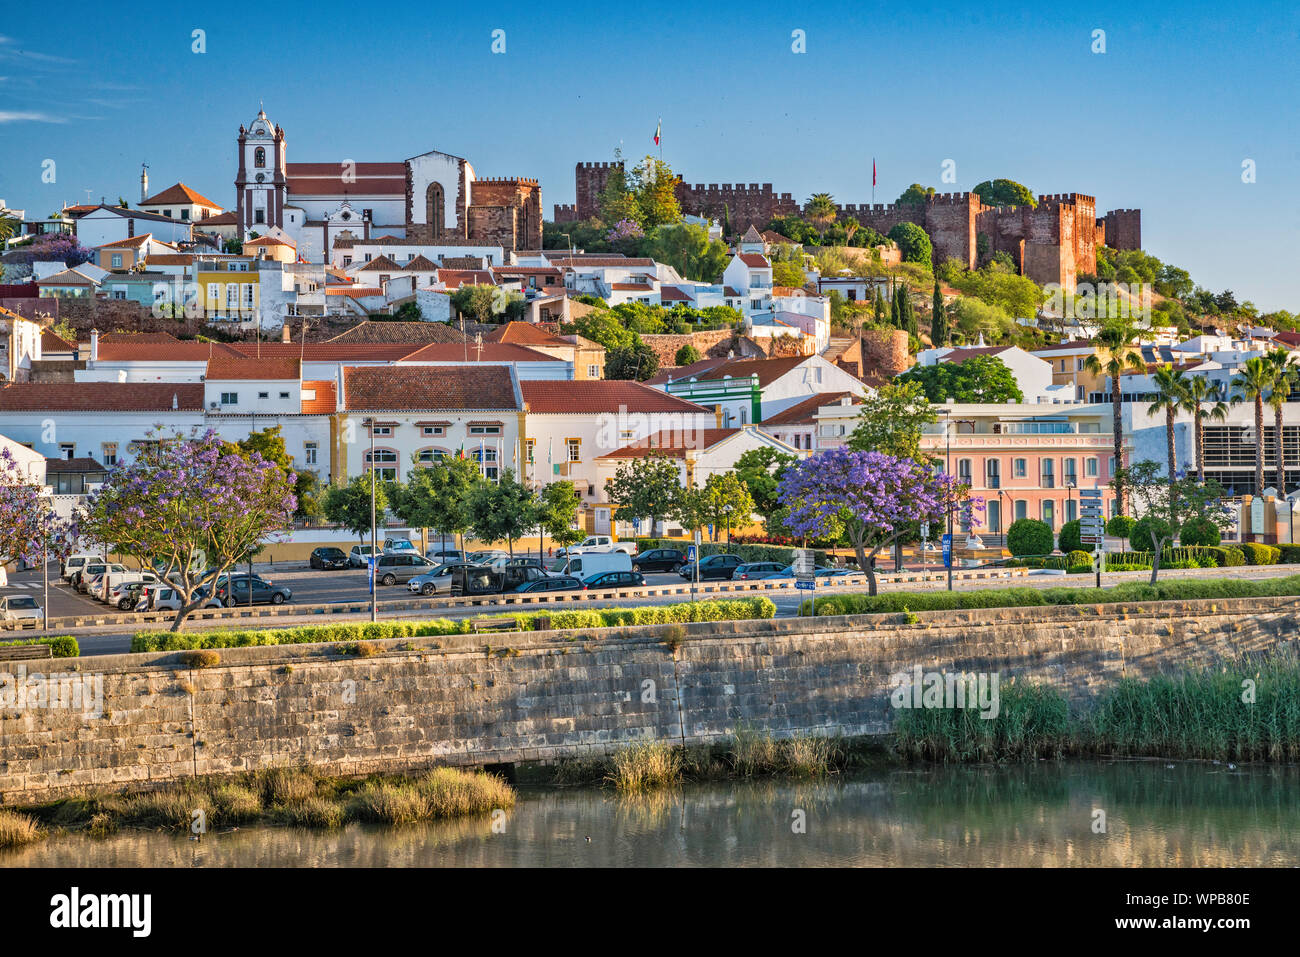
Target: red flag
column 658, row 130
column 873, row 171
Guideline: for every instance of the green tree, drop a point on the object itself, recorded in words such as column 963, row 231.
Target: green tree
column 477, row 302
column 445, row 488
column 1171, row 398
column 409, row 312
column 504, row 509
column 906, row 313
column 1208, row 401
column 618, row 201
column 913, row 243
column 787, row 274
column 687, row 248
column 893, row 420
column 558, row 513
column 1168, row 507
column 760, row 469
column 1253, row 383
column 637, row 362
column 915, row 195
column 654, row 185
column 820, row 210
column 938, row 319
column 1285, row 377
column 728, row 502
column 879, row 301
column 1005, row 192
column 646, row 488
column 1115, row 356
column 686, row 355
column 269, row 443
column 978, row 379
column 690, row 509
column 349, row 505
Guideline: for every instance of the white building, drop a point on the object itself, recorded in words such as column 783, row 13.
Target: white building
column 109, row 224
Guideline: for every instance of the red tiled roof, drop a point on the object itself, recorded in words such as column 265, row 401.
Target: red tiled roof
column 171, row 259
column 221, row 219
column 101, row 397
column 755, row 261
column 57, row 465
column 767, row 370
column 326, row 179
column 603, row 261
column 409, row 388
column 379, row 262
column 673, row 294
column 420, row 263
column 356, row 292
column 803, row 412
column 326, row 400
column 525, row 334
column 961, row 355
column 672, row 443
column 180, row 195
column 391, row 332
column 268, row 241
column 591, row 396
column 128, row 351
column 128, row 242
column 136, row 337
column 490, row 352
column 455, row 278
column 631, row 287
column 54, row 343
column 226, row 368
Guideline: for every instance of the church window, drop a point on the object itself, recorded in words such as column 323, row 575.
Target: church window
column 259, row 215
column 259, row 157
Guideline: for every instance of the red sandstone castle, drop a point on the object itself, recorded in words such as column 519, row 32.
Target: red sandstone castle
column 1053, row 243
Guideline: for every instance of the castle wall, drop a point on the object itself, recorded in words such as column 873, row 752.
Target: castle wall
column 739, row 205
column 590, row 180
column 1123, row 228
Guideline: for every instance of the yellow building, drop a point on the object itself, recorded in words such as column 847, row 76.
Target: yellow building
column 228, row 288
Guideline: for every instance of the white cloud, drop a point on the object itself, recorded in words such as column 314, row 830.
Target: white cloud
column 14, row 116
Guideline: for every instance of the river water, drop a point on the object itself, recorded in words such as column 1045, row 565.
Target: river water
column 1042, row 815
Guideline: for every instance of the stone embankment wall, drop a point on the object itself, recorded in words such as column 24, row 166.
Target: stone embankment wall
column 549, row 695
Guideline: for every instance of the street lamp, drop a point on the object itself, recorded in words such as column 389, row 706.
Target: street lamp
column 1069, row 495
column 727, row 509
column 374, row 531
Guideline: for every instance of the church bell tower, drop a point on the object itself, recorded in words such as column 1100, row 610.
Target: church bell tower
column 260, row 186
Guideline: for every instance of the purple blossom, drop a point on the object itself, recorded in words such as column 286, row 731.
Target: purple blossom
column 28, row 525
column 624, row 230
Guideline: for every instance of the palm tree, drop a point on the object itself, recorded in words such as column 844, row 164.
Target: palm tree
column 1115, row 355
column 1172, row 397
column 1252, row 383
column 1202, row 391
column 821, row 210
column 1285, row 376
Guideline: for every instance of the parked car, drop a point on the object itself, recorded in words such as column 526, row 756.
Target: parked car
column 613, row 580
column 163, row 597
column 402, row 546
column 493, row 580
column 126, row 595
column 81, row 579
column 397, row 567
column 821, row 571
column 659, row 560
column 551, row 583
column 75, row 562
column 712, row 567
column 234, row 590
column 438, row 577
column 584, row 566
column 599, row 543
column 486, row 556
column 443, row 555
column 357, row 557
column 327, row 558
column 755, row 570
column 19, row 608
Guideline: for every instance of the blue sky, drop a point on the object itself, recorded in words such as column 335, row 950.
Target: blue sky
column 1163, row 120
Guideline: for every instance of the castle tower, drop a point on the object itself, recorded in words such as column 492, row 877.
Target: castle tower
column 260, row 185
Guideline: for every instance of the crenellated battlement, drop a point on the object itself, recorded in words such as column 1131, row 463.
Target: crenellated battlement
column 1063, row 199
column 507, row 180
column 613, row 165
column 565, row 213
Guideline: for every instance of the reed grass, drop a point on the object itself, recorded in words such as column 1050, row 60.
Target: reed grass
column 17, row 830
column 1032, row 722
column 645, row 766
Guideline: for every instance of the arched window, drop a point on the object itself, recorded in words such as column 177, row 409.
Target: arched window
column 385, row 464
column 259, row 157
column 435, row 209
column 430, row 456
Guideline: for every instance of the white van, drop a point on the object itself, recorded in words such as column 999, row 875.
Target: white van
column 125, row 578
column 599, row 543
column 597, row 563
column 75, row 561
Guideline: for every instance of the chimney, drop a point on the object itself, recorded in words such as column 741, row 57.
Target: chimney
column 284, row 333
column 176, row 402
column 94, row 345
column 144, row 182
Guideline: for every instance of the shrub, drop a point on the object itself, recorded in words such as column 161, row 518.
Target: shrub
column 61, row 646
column 1257, row 554
column 1070, row 538
column 1140, row 536
column 1120, row 526
column 645, row 766
column 200, row 659
column 17, row 829
column 1199, row 531
column 1078, row 557
column 1226, row 556
column 1290, row 554
column 1029, row 536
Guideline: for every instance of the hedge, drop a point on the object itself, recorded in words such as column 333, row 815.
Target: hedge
column 1290, row 554
column 1029, row 536
column 1032, row 597
column 750, row 552
column 733, row 609
column 61, row 646
column 1257, row 554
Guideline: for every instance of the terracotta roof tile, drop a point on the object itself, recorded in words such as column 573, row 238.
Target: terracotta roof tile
column 56, row 466
column 802, row 412
column 410, row 388
column 673, row 443
column 525, row 334
column 592, row 396
column 325, row 401
column 755, row 261
column 379, row 262
column 226, row 368
column 130, row 351
column 673, row 294
column 490, row 352
column 54, row 343
column 180, row 195
column 420, row 263
column 101, row 397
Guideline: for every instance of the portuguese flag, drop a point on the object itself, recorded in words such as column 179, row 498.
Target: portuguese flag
column 658, row 130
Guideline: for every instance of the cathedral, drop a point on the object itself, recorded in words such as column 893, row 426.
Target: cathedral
column 432, row 198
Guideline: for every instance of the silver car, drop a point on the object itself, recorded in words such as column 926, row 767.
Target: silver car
column 19, row 608
column 398, row 567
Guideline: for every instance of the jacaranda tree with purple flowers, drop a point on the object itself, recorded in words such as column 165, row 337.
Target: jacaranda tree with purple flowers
column 191, row 508
column 869, row 497
column 28, row 526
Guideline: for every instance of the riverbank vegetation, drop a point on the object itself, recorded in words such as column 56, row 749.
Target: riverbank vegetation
column 286, row 796
column 18, row 829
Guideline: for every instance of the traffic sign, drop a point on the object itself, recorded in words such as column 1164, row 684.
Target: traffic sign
column 690, row 554
column 809, row 585
column 804, row 566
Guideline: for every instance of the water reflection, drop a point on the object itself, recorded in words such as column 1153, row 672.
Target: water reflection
column 1036, row 816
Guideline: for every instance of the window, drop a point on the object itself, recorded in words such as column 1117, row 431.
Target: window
column 384, row 463
column 185, row 215
column 263, row 395
column 284, row 395
column 117, row 261
column 1090, row 468
column 232, row 295
column 230, row 398
column 756, row 304
column 487, row 459
column 119, row 293
column 573, row 449
column 347, row 260
column 1071, row 510
column 428, row 457
column 1071, row 476
column 1049, row 513
column 964, row 471
column 1020, row 468
column 1110, row 465
column 593, row 372
column 1022, row 509
column 992, row 472
column 259, row 157
column 309, row 453
column 67, row 450
column 530, row 446
column 485, row 430
column 259, row 215
column 429, row 431
column 248, row 295
column 1048, row 471
column 108, row 454
column 379, row 430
